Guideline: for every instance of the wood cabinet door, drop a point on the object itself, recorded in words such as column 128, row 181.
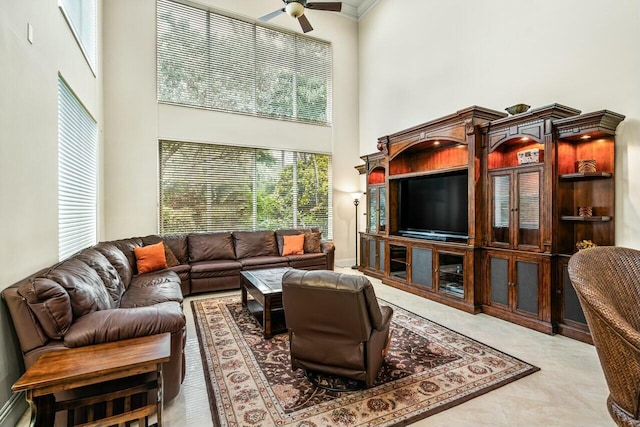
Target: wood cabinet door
column 497, row 268
column 526, row 286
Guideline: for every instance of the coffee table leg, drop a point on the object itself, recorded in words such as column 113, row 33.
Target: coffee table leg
column 42, row 410
column 243, row 294
column 266, row 317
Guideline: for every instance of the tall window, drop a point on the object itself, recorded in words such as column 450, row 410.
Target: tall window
column 77, row 173
column 81, row 17
column 214, row 61
column 205, row 187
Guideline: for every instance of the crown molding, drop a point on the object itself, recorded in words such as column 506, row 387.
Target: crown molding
column 366, row 7
column 358, row 12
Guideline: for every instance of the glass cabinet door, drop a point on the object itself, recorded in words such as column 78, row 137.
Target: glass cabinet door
column 373, row 209
column 501, row 208
column 451, row 274
column 382, row 205
column 528, row 209
column 398, row 261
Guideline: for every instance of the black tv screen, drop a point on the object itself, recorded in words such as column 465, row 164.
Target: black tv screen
column 435, row 204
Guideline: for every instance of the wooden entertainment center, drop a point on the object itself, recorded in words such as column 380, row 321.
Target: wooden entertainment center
column 531, row 194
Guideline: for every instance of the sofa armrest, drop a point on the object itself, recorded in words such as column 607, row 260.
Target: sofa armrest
column 328, row 248
column 123, row 323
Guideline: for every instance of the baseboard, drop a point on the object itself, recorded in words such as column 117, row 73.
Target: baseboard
column 13, row 410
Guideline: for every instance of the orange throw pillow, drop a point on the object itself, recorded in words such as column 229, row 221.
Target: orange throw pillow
column 150, row 258
column 293, row 245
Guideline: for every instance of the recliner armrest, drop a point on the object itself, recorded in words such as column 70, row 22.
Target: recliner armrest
column 387, row 313
column 123, row 323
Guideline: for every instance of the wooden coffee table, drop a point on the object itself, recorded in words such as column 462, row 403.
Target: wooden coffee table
column 78, row 367
column 265, row 286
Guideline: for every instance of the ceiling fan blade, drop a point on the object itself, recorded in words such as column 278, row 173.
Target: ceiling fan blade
column 271, row 15
column 304, row 23
column 325, row 5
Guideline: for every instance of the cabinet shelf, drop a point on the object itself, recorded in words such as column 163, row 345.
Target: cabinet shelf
column 580, row 176
column 585, row 218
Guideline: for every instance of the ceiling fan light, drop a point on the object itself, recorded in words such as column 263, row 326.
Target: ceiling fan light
column 294, row 9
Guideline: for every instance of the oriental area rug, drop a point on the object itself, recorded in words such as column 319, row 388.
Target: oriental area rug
column 428, row 369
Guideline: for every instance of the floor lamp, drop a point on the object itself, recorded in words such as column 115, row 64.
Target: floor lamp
column 356, row 202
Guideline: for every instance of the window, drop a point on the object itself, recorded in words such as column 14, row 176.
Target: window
column 205, row 187
column 77, row 173
column 81, row 17
column 213, row 61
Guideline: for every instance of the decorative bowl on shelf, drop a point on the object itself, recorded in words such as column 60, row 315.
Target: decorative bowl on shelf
column 585, row 244
column 517, row 109
column 586, row 165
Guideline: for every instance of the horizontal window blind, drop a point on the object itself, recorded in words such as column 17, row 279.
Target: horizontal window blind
column 209, row 60
column 81, row 15
column 77, row 174
column 206, row 187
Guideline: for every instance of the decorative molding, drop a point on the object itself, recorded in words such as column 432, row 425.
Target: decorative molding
column 349, row 11
column 366, row 7
column 13, row 410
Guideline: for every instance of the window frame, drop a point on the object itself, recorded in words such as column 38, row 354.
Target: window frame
column 92, row 60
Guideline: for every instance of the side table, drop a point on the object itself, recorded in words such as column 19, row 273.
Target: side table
column 78, row 367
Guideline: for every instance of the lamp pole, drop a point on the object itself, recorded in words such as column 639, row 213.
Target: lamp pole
column 356, row 202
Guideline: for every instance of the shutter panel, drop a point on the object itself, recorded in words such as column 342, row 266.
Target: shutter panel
column 77, row 174
column 206, row 187
column 209, row 60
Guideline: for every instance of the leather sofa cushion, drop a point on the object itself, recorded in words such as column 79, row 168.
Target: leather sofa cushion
column 267, row 261
column 255, row 243
column 204, row 269
column 152, row 288
column 178, row 245
column 120, row 324
column 169, row 256
column 126, row 246
column 106, row 271
column 50, row 303
column 117, row 259
column 306, row 260
column 85, row 288
column 210, row 246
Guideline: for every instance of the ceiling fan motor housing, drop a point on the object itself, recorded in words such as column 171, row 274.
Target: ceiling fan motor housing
column 295, row 8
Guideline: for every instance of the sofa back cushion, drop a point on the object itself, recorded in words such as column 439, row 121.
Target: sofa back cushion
column 117, row 259
column 309, row 241
column 50, row 303
column 170, row 256
column 107, row 272
column 210, row 246
column 85, row 288
column 126, row 246
column 255, row 243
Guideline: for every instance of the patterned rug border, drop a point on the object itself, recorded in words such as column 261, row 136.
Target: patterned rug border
column 215, row 416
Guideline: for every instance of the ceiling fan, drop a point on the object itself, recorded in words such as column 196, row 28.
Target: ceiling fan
column 295, row 9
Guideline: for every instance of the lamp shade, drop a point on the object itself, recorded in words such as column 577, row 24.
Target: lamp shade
column 356, row 196
column 294, row 9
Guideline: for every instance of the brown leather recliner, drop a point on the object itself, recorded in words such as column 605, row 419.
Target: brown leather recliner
column 335, row 324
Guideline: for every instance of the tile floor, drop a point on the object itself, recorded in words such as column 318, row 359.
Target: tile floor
column 569, row 390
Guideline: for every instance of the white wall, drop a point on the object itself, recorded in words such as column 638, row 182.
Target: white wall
column 442, row 56
column 134, row 121
column 29, row 144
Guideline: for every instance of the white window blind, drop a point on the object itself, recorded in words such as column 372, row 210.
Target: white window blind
column 77, row 174
column 81, row 17
column 206, row 187
column 209, row 60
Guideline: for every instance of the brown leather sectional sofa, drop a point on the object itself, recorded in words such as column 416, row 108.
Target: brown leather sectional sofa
column 97, row 295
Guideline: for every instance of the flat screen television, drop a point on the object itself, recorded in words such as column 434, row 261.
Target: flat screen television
column 434, row 206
